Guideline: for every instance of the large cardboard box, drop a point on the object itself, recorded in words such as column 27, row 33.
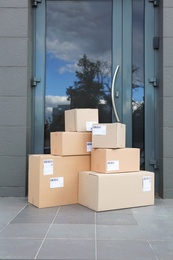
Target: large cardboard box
column 115, row 160
column 70, row 143
column 102, row 192
column 53, row 180
column 81, row 119
column 111, row 135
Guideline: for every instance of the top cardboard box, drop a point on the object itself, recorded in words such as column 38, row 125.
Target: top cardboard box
column 80, row 120
column 111, row 135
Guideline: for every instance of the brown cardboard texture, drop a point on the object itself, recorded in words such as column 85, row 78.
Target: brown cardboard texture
column 70, row 143
column 102, row 192
column 80, row 120
column 53, row 180
column 109, row 135
column 115, row 160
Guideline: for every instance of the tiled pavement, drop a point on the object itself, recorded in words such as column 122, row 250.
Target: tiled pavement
column 75, row 232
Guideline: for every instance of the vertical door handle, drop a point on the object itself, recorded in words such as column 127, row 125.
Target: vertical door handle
column 112, row 93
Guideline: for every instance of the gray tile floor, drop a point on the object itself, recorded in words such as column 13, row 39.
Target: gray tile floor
column 75, row 232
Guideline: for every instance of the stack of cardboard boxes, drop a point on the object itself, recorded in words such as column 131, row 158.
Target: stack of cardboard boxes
column 115, row 180
column 89, row 164
column 53, row 178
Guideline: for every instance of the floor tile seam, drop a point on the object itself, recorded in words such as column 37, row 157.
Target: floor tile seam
column 13, row 217
column 70, row 238
column 16, row 199
column 153, row 215
column 117, row 224
column 155, row 225
column 74, row 224
column 123, row 239
column 98, row 239
column 2, row 228
column 143, row 230
column 142, row 227
column 153, row 251
column 88, row 239
column 141, row 210
column 46, row 233
column 161, row 240
column 95, row 240
column 12, row 205
column 139, row 225
column 152, row 223
column 21, row 238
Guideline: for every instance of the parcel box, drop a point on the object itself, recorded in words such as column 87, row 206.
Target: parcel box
column 70, row 143
column 115, row 160
column 80, row 120
column 102, row 192
column 109, row 135
column 53, row 180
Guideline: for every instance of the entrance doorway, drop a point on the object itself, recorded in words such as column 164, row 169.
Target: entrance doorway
column 79, row 45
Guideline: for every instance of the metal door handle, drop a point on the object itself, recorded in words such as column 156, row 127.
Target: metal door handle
column 112, row 93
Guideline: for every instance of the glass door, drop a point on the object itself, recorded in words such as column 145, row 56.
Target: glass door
column 78, row 60
column 78, row 46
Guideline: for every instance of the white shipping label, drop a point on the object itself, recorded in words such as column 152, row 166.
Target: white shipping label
column 89, row 126
column 99, row 130
column 112, row 165
column 146, row 183
column 89, row 146
column 48, row 167
column 56, row 182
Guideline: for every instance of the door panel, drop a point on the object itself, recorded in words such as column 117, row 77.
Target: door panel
column 138, row 84
column 151, row 92
column 151, row 119
column 38, row 87
column 78, row 60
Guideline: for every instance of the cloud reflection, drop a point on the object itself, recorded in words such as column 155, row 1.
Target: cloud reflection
column 74, row 29
column 54, row 101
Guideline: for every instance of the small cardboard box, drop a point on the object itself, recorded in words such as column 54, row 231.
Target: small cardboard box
column 109, row 135
column 53, row 180
column 115, row 160
column 102, row 192
column 70, row 143
column 80, row 120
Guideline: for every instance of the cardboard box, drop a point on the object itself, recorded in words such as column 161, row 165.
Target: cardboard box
column 70, row 143
column 115, row 160
column 102, row 192
column 109, row 135
column 53, row 180
column 80, row 120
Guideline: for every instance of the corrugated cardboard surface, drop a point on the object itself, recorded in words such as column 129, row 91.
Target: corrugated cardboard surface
column 115, row 160
column 45, row 175
column 109, row 135
column 102, row 192
column 78, row 120
column 70, row 143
